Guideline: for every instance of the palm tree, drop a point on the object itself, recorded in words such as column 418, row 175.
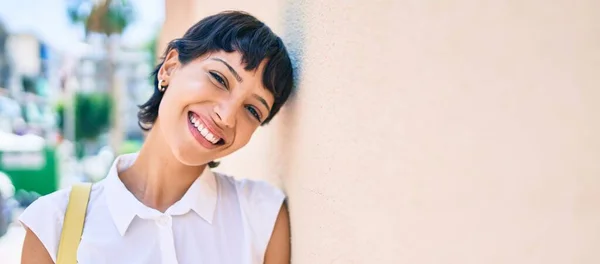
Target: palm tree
column 106, row 16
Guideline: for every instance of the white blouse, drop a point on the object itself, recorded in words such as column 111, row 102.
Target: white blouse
column 218, row 220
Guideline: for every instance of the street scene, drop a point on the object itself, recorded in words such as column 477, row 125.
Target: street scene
column 71, row 78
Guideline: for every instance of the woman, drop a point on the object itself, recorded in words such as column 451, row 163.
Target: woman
column 225, row 77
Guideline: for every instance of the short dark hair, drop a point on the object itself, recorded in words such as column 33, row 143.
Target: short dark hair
column 230, row 31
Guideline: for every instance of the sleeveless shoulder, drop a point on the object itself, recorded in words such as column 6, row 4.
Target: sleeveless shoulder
column 260, row 203
column 45, row 216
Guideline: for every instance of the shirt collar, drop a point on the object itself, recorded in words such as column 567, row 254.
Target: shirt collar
column 201, row 197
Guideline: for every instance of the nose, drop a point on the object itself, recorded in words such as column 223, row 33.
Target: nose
column 226, row 113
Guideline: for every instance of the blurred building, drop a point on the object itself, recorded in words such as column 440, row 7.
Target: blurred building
column 4, row 65
column 49, row 58
column 24, row 72
column 35, row 39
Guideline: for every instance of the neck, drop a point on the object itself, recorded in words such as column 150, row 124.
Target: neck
column 157, row 178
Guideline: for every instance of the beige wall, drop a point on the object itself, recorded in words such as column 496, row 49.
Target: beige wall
column 436, row 132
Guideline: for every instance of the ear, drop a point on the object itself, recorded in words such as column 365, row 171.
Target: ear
column 170, row 64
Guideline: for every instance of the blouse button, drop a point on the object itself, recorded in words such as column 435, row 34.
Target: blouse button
column 163, row 220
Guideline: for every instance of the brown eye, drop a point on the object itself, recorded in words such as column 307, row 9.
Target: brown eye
column 219, row 79
column 252, row 110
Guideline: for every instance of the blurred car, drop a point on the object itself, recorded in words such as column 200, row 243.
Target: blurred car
column 7, row 203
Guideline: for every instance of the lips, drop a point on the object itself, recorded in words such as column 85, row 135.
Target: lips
column 204, row 131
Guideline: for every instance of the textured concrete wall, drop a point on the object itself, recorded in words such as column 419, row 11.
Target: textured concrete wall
column 436, row 132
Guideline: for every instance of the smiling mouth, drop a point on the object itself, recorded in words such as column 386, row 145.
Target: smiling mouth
column 204, row 131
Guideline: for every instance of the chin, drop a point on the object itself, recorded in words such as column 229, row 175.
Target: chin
column 191, row 153
column 190, row 156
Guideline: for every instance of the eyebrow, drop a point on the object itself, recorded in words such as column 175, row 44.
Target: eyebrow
column 235, row 74
column 263, row 101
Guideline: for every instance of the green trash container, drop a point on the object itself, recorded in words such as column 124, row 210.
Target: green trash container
column 32, row 171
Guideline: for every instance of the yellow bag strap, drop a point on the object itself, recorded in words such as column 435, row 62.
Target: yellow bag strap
column 73, row 225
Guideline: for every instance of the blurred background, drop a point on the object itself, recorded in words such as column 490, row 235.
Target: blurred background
column 72, row 73
column 420, row 131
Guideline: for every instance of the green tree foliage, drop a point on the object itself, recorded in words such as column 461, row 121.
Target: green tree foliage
column 92, row 115
column 93, row 112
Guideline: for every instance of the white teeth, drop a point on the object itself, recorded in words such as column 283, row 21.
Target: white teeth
column 194, row 121
column 204, row 131
column 210, row 137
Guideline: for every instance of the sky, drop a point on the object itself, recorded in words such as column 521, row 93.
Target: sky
column 48, row 20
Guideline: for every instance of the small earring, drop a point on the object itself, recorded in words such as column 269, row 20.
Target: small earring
column 160, row 87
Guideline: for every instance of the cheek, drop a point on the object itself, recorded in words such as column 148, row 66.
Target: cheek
column 192, row 86
column 167, row 109
column 243, row 135
column 182, row 93
column 171, row 114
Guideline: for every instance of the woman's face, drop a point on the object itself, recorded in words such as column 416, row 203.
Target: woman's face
column 211, row 106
